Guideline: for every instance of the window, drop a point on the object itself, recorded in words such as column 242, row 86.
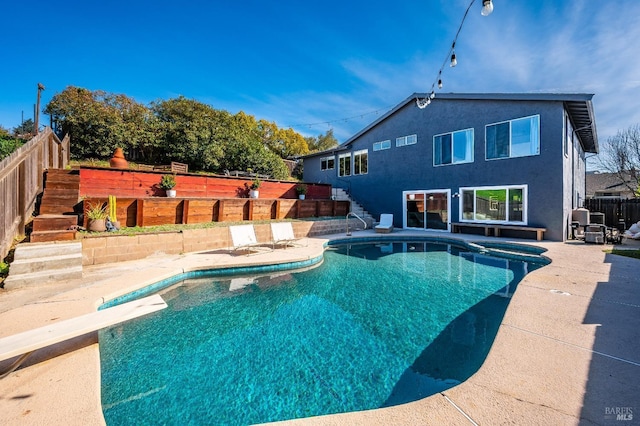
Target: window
column 515, row 138
column 327, row 163
column 344, row 165
column 494, row 204
column 407, row 140
column 453, row 148
column 360, row 162
column 379, row 146
column 568, row 137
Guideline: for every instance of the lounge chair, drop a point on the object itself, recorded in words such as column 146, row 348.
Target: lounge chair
column 386, row 224
column 243, row 237
column 282, row 234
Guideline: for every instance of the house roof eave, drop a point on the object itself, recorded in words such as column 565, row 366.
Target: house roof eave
column 578, row 106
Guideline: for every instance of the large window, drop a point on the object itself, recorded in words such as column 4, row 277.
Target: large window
column 407, row 140
column 495, row 204
column 327, row 163
column 344, row 165
column 379, row 146
column 360, row 162
column 515, row 138
column 453, row 148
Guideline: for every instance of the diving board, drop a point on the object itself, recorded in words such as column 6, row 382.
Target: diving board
column 38, row 338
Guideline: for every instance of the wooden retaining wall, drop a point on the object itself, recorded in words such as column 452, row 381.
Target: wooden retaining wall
column 154, row 211
column 102, row 182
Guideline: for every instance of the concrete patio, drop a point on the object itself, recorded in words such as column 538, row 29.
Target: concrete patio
column 567, row 351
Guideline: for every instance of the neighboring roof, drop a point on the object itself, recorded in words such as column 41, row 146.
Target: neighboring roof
column 578, row 106
column 607, row 182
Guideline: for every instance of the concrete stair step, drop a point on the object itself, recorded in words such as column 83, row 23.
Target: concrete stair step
column 51, row 236
column 37, row 250
column 37, row 278
column 35, row 263
column 54, row 222
column 46, row 263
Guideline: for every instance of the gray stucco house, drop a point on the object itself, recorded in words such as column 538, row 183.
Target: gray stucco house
column 510, row 159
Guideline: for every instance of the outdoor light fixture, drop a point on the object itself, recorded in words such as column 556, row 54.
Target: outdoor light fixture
column 454, row 62
column 439, row 83
column 487, row 7
column 432, row 95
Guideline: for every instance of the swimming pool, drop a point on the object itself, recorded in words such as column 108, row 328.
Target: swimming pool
column 377, row 324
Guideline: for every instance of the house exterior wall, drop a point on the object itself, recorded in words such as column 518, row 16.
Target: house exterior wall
column 574, row 166
column 398, row 169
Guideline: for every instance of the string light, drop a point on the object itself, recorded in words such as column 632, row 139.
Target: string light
column 487, row 8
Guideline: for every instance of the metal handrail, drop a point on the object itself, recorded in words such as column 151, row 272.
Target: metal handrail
column 357, row 217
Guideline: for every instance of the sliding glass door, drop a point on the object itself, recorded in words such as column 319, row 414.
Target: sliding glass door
column 426, row 209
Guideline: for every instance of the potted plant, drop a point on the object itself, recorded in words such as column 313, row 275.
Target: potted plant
column 302, row 191
column 168, row 182
column 253, row 189
column 96, row 215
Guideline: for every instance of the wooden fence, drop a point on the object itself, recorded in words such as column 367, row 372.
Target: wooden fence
column 616, row 210
column 21, row 181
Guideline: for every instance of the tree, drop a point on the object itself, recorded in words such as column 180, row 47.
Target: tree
column 284, row 142
column 622, row 157
column 246, row 150
column 26, row 128
column 99, row 122
column 322, row 142
column 192, row 132
column 177, row 129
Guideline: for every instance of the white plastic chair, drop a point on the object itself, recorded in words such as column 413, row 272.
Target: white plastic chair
column 386, row 224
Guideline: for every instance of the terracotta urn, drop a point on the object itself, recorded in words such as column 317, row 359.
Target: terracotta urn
column 118, row 161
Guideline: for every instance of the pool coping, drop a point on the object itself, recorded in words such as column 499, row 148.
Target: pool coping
column 61, row 384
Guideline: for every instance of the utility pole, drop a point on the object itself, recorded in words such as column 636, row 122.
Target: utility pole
column 37, row 113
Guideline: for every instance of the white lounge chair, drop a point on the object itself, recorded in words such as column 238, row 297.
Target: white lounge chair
column 386, row 224
column 282, row 234
column 243, row 237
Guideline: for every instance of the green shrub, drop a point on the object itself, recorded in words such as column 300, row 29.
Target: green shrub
column 8, row 145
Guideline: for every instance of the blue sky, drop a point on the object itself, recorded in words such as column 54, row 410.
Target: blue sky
column 305, row 63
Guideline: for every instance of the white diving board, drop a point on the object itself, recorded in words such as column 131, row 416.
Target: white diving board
column 26, row 342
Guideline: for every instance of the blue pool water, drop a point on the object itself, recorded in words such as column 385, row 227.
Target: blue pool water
column 375, row 325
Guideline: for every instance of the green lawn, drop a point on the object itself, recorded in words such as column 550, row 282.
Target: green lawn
column 629, row 253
